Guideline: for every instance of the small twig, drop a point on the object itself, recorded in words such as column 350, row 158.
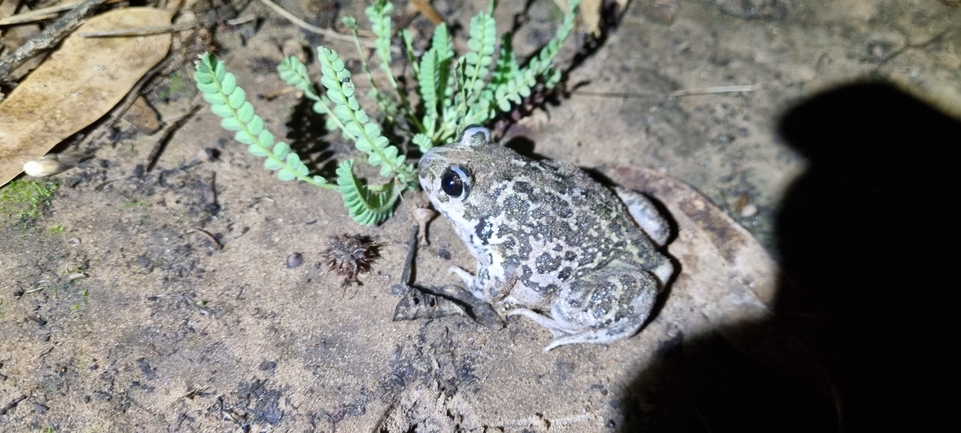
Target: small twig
column 161, row 143
column 241, row 20
column 411, row 252
column 279, row 93
column 311, row 28
column 712, row 90
column 212, row 238
column 685, row 92
column 42, row 14
column 208, row 192
column 142, row 31
column 428, row 11
column 49, row 37
column 12, row 404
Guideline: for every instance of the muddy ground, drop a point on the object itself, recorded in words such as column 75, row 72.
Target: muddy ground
column 168, row 333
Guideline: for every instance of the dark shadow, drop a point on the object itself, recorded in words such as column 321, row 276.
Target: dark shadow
column 305, row 129
column 869, row 230
column 864, row 233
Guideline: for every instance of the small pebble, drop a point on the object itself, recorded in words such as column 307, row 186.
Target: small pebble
column 748, row 211
column 294, row 260
column 443, row 253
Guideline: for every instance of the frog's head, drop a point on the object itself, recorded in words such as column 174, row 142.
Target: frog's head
column 453, row 174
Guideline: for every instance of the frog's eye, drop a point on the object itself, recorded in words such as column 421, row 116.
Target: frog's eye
column 456, row 181
column 476, row 135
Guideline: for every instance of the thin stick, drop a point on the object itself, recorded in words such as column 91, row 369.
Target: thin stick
column 686, row 92
column 142, row 31
column 713, row 90
column 428, row 11
column 209, row 236
column 41, row 14
column 311, row 28
column 49, row 37
column 409, row 262
column 162, row 142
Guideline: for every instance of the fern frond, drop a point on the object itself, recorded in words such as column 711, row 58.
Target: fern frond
column 409, row 50
column 427, row 85
column 369, row 139
column 483, row 39
column 543, row 64
column 379, row 15
column 294, row 72
column 423, row 142
column 505, row 67
column 434, row 77
column 364, row 205
column 540, row 67
column 228, row 101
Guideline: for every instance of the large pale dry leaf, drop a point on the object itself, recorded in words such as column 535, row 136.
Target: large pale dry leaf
column 77, row 85
column 731, row 279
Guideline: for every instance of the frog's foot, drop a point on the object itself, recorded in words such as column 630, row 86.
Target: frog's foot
column 603, row 335
column 565, row 334
column 465, row 276
column 557, row 328
column 645, row 215
column 663, row 273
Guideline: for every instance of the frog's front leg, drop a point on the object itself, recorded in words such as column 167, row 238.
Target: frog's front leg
column 606, row 305
column 485, row 285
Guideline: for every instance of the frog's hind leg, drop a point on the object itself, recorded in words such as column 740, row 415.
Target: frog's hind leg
column 646, row 215
column 556, row 327
column 604, row 306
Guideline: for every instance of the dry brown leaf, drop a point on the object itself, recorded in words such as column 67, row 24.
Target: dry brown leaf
column 591, row 15
column 142, row 116
column 428, row 11
column 77, row 85
column 591, row 12
column 731, row 279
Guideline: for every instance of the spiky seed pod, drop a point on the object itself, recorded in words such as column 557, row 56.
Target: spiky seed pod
column 350, row 255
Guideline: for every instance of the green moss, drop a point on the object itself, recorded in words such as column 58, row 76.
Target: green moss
column 25, row 200
column 136, row 204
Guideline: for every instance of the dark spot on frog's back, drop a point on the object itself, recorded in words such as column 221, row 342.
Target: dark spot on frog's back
column 547, row 263
column 524, row 253
column 483, row 230
column 523, row 187
column 515, row 208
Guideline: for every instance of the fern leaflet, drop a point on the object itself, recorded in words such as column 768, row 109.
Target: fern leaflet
column 228, row 101
column 364, row 205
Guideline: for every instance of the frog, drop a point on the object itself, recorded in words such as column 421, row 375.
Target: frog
column 552, row 244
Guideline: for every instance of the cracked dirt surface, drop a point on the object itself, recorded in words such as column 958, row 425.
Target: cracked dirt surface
column 169, row 333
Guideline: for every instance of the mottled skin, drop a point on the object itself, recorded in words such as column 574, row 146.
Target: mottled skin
column 551, row 243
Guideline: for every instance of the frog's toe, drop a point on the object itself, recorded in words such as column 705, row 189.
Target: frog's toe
column 591, row 336
column 465, row 276
column 557, row 328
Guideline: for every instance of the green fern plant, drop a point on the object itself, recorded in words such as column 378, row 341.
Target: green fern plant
column 452, row 93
